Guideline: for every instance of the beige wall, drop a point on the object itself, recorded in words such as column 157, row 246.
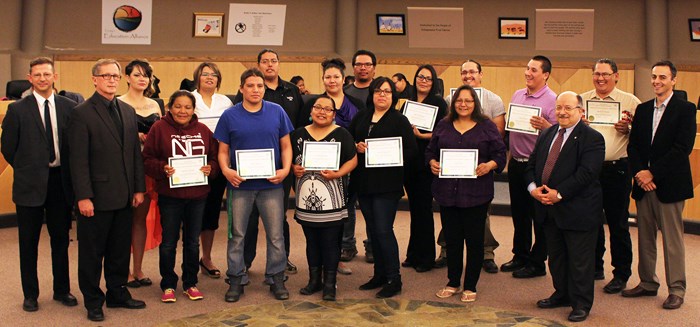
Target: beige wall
column 681, row 50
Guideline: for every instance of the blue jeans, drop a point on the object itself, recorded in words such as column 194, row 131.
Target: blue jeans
column 380, row 213
column 175, row 212
column 270, row 205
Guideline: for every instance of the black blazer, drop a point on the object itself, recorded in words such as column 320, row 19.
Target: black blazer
column 105, row 168
column 386, row 179
column 26, row 149
column 575, row 176
column 667, row 157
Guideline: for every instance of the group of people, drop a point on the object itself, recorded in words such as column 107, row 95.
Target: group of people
column 113, row 159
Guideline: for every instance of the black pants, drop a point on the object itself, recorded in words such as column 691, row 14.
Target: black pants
column 58, row 222
column 421, row 244
column 616, row 181
column 323, row 246
column 212, row 210
column 104, row 236
column 250, row 242
column 379, row 211
column 464, row 225
column 523, row 212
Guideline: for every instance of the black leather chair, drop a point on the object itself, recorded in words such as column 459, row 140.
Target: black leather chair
column 681, row 94
column 14, row 89
column 161, row 104
column 77, row 97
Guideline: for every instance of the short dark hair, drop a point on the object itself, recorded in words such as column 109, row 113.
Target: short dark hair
column 400, row 76
column 334, row 63
column 376, row 84
column 264, row 51
column 147, row 70
column 366, row 53
column 181, row 93
column 40, row 61
column 669, row 64
column 478, row 65
column 546, row 63
column 198, row 73
column 608, row 61
column 251, row 72
column 477, row 114
column 296, row 79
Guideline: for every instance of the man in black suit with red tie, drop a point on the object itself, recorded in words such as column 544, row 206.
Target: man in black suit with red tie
column 661, row 140
column 32, row 143
column 108, row 179
column 562, row 173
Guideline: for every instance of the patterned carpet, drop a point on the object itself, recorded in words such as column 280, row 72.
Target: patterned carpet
column 388, row 312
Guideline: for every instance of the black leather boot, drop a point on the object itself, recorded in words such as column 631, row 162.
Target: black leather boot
column 391, row 288
column 315, row 284
column 277, row 288
column 329, row 285
column 235, row 289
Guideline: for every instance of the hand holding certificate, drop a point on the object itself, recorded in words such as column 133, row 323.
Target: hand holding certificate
column 187, row 171
column 384, row 152
column 458, row 163
column 321, row 156
column 421, row 115
column 256, row 164
column 603, row 112
column 518, row 118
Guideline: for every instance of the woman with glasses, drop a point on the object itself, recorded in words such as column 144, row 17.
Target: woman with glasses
column 321, row 196
column 421, row 245
column 145, row 231
column 181, row 207
column 464, row 202
column 209, row 107
column 380, row 188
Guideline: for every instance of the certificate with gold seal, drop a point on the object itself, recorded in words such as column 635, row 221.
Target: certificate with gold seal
column 256, row 164
column 603, row 112
column 458, row 163
column 188, row 171
column 518, row 118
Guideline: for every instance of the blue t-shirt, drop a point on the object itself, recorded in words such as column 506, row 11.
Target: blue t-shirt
column 244, row 130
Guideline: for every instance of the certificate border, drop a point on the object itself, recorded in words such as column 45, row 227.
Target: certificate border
column 399, row 164
column 337, row 156
column 619, row 112
column 539, row 112
column 476, row 156
column 435, row 112
column 238, row 168
column 204, row 163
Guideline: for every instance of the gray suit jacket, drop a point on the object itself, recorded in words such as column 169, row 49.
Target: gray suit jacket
column 105, row 168
column 26, row 149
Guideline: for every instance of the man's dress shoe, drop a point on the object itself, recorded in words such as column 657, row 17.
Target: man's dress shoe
column 529, row 272
column 673, row 302
column 550, row 303
column 637, row 292
column 578, row 315
column 513, row 265
column 66, row 299
column 30, row 305
column 129, row 304
column 615, row 286
column 95, row 314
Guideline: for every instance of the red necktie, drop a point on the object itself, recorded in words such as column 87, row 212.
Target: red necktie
column 553, row 156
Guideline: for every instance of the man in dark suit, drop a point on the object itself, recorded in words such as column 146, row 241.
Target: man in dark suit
column 32, row 143
column 562, row 173
column 108, row 179
column 661, row 139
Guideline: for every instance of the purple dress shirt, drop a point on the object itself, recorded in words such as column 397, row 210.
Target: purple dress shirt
column 521, row 144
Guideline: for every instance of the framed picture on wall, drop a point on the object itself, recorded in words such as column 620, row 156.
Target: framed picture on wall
column 694, row 24
column 512, row 28
column 208, row 24
column 391, row 24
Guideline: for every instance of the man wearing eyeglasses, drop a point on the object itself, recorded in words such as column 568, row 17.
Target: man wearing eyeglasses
column 364, row 62
column 562, row 177
column 492, row 107
column 32, row 143
column 615, row 175
column 108, row 180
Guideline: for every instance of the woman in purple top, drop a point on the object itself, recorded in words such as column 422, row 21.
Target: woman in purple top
column 464, row 202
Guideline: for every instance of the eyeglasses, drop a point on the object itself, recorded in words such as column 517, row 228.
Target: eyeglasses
column 464, row 101
column 603, row 75
column 214, row 75
column 327, row 110
column 567, row 109
column 108, row 77
column 470, row 72
column 424, row 78
column 269, row 61
column 363, row 64
column 382, row 92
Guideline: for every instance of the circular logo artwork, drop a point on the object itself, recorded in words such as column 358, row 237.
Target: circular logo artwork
column 127, row 18
column 240, row 27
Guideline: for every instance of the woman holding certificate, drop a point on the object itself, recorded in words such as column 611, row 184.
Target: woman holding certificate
column 180, row 154
column 209, row 107
column 385, row 141
column 421, row 245
column 465, row 150
column 145, row 231
column 323, row 155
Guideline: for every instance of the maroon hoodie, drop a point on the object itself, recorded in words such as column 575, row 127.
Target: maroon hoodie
column 168, row 139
